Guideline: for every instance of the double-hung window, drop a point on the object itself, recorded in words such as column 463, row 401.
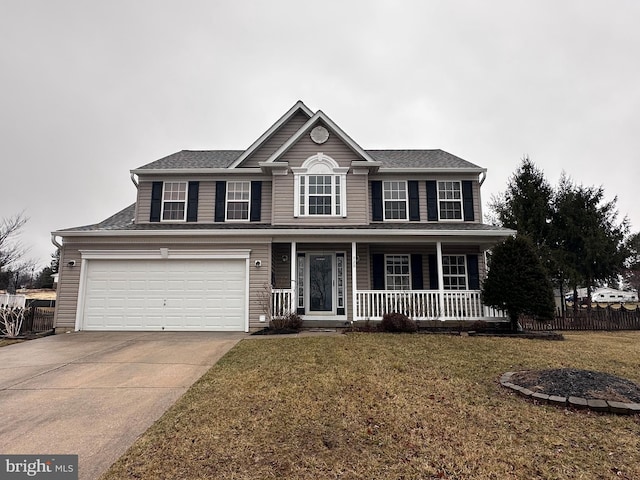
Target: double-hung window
column 394, row 194
column 238, row 198
column 321, row 196
column 174, row 201
column 320, row 188
column 450, row 200
column 454, row 272
column 398, row 275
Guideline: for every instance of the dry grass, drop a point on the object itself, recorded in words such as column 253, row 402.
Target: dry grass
column 4, row 342
column 375, row 406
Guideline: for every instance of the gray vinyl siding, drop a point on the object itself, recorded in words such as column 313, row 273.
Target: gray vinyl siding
column 333, row 147
column 67, row 290
column 69, row 281
column 363, row 270
column 143, row 202
column 269, row 147
column 206, row 201
column 281, row 270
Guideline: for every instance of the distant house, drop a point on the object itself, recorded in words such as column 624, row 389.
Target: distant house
column 605, row 295
column 611, row 295
column 304, row 220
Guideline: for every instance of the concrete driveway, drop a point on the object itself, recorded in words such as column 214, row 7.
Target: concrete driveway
column 94, row 393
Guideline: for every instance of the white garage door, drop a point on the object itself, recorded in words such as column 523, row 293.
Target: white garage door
column 165, row 295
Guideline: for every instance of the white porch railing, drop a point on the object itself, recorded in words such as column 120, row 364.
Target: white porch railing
column 280, row 301
column 415, row 304
column 422, row 305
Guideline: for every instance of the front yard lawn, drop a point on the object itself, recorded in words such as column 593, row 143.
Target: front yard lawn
column 379, row 406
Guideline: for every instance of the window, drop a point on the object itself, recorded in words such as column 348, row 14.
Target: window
column 238, row 196
column 174, row 201
column 398, row 276
column 450, row 200
column 394, row 196
column 320, row 184
column 454, row 272
column 320, row 194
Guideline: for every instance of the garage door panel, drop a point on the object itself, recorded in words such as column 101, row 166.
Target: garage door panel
column 165, row 294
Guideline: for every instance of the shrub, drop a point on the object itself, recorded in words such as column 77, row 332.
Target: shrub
column 290, row 321
column 398, row 323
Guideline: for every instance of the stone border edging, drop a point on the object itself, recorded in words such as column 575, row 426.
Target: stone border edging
column 596, row 405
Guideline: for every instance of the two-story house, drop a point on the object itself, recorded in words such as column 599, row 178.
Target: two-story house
column 303, row 220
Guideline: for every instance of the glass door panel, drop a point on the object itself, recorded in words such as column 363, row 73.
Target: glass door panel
column 320, row 283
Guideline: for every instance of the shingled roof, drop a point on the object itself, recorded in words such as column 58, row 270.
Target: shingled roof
column 436, row 159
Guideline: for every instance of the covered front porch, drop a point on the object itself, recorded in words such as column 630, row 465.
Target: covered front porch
column 358, row 281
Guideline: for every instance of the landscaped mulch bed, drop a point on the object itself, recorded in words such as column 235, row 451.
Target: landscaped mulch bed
column 570, row 382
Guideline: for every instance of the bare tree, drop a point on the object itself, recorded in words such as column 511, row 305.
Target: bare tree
column 11, row 249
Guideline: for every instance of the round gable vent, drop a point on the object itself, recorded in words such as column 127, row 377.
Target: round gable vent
column 319, row 135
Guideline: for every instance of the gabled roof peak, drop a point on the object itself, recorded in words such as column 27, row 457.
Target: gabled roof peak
column 315, row 119
column 299, row 106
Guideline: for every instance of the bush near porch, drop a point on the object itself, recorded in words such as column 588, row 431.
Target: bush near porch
column 390, row 406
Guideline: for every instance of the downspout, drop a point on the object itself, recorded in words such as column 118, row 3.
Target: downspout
column 133, row 179
column 55, row 242
column 483, row 177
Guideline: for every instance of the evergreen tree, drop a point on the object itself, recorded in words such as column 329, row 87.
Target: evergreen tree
column 588, row 242
column 517, row 282
column 631, row 274
column 526, row 206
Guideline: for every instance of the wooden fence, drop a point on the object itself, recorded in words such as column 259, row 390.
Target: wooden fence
column 595, row 318
column 36, row 320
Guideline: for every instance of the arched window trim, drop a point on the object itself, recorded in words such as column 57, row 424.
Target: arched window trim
column 320, row 165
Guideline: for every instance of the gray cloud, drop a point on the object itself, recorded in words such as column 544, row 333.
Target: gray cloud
column 91, row 90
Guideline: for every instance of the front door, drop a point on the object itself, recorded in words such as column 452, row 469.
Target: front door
column 321, row 283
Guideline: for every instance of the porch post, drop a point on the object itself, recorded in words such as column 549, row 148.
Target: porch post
column 294, row 261
column 354, row 286
column 440, row 281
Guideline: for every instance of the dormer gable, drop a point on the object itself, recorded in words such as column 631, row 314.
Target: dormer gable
column 274, row 137
column 320, row 127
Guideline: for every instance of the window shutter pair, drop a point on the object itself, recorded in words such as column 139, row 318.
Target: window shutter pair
column 255, row 203
column 378, row 270
column 473, row 274
column 192, row 202
column 378, row 204
column 467, row 201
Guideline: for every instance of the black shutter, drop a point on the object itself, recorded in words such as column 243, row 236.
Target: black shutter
column 432, row 201
column 256, row 201
column 376, row 200
column 221, row 192
column 378, row 271
column 192, row 203
column 414, row 200
column 467, row 200
column 417, row 282
column 433, row 272
column 156, row 202
column 472, row 272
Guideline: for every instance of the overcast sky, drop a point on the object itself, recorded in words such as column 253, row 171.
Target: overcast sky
column 93, row 89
